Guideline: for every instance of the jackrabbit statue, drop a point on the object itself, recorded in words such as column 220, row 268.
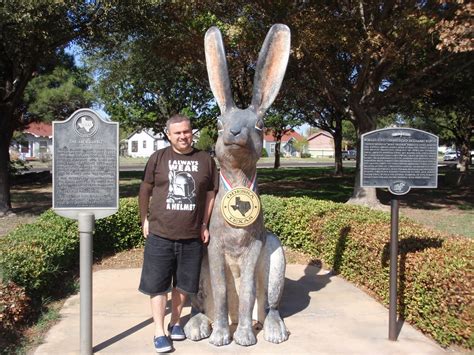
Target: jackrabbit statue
column 244, row 262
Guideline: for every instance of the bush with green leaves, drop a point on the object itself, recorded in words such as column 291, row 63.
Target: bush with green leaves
column 14, row 308
column 40, row 255
column 435, row 270
column 37, row 255
column 121, row 231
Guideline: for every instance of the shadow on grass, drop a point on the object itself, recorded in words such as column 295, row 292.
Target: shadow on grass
column 447, row 194
column 315, row 182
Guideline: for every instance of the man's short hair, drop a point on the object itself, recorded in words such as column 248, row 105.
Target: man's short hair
column 176, row 119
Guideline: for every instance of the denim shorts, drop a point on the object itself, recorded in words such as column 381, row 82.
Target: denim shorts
column 171, row 262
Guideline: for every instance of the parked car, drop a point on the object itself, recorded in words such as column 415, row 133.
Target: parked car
column 451, row 155
column 349, row 154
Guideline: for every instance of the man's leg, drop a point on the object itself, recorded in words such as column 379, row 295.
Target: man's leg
column 158, row 308
column 178, row 299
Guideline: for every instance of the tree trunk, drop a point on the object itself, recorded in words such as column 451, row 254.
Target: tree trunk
column 5, row 202
column 366, row 196
column 465, row 153
column 464, row 159
column 338, row 148
column 276, row 165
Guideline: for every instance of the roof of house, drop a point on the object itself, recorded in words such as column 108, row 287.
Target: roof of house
column 289, row 134
column 39, row 129
column 324, row 133
column 150, row 132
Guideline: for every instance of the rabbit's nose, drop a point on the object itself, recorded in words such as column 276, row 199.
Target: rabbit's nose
column 235, row 131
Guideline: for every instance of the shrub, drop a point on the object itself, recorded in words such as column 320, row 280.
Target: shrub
column 37, row 255
column 14, row 308
column 435, row 291
column 119, row 232
column 264, row 153
column 41, row 258
column 305, row 155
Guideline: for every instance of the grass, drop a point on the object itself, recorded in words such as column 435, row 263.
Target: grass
column 35, row 334
column 448, row 208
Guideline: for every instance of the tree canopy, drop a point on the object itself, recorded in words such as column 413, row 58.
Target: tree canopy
column 56, row 95
column 32, row 35
column 350, row 61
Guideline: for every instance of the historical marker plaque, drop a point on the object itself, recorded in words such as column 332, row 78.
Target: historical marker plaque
column 399, row 159
column 85, row 165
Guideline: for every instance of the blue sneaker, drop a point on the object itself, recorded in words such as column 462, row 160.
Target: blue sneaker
column 176, row 332
column 162, row 344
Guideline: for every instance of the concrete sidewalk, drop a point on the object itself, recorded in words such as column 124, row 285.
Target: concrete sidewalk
column 325, row 315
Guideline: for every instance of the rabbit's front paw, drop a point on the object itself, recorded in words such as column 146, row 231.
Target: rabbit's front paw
column 244, row 336
column 220, row 336
column 274, row 329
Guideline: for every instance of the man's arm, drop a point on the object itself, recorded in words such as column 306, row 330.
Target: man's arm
column 143, row 202
column 210, row 197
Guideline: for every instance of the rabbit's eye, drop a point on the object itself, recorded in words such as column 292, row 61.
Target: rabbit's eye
column 259, row 125
column 220, row 126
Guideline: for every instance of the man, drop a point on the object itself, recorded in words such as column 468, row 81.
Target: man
column 182, row 183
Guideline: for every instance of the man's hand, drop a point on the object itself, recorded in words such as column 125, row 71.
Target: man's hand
column 145, row 227
column 204, row 234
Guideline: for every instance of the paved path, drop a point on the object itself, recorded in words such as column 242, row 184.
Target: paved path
column 324, row 313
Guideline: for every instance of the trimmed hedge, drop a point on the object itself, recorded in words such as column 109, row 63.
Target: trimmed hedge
column 435, row 270
column 40, row 255
column 37, row 255
column 121, row 231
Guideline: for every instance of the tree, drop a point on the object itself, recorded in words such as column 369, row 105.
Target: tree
column 448, row 112
column 301, row 145
column 56, row 95
column 278, row 125
column 356, row 59
column 331, row 121
column 364, row 57
column 31, row 34
column 455, row 30
column 206, row 140
column 142, row 90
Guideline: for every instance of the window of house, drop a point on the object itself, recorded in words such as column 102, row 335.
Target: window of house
column 24, row 148
column 272, row 147
column 144, row 144
column 43, row 146
column 134, row 146
column 155, row 145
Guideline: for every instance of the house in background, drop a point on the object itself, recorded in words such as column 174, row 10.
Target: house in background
column 321, row 144
column 142, row 144
column 37, row 142
column 286, row 147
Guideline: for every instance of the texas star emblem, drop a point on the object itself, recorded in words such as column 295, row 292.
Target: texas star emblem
column 240, row 207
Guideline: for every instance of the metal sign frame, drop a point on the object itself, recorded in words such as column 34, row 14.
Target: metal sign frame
column 99, row 212
column 399, row 186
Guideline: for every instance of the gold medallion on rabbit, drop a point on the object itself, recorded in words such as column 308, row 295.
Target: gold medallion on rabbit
column 240, row 207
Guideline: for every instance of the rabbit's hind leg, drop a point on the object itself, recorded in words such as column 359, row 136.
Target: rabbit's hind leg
column 274, row 329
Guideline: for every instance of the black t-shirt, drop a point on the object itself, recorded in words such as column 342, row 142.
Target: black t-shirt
column 180, row 184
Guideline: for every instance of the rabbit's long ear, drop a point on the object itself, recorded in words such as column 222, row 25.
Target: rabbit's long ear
column 271, row 66
column 217, row 69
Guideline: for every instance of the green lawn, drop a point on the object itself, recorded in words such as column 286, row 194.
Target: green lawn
column 448, row 208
